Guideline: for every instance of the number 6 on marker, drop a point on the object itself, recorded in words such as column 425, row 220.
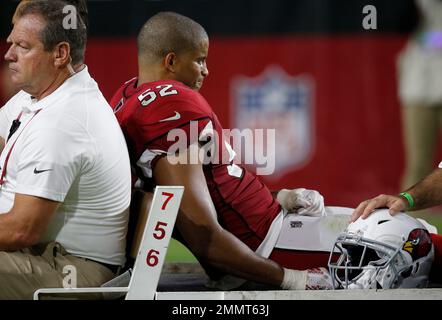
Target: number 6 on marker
column 169, row 196
column 152, row 258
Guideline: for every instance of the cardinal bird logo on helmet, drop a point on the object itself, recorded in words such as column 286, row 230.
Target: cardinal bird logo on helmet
column 418, row 243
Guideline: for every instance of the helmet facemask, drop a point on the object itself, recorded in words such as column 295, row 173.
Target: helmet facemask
column 365, row 263
column 369, row 264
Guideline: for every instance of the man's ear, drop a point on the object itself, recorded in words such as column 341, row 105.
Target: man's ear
column 62, row 54
column 170, row 61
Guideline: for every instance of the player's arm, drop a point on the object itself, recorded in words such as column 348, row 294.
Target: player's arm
column 2, row 144
column 26, row 222
column 197, row 223
column 428, row 192
column 424, row 194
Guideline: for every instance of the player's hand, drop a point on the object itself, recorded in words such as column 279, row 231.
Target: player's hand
column 365, row 208
column 302, row 201
column 318, row 279
column 311, row 279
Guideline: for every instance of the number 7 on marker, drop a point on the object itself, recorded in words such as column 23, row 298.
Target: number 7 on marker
column 169, row 196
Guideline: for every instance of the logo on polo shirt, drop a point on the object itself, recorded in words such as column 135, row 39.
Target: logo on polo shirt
column 36, row 171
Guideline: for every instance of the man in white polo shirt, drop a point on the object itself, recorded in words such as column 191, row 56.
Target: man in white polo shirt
column 65, row 172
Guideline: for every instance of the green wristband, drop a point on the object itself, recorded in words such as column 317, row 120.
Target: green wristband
column 409, row 198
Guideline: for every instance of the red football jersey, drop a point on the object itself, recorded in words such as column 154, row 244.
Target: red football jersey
column 148, row 115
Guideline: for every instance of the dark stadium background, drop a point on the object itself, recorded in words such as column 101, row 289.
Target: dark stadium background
column 356, row 145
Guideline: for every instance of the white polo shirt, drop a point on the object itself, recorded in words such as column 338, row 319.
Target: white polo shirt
column 69, row 148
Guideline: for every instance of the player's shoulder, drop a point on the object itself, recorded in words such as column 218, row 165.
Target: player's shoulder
column 167, row 91
column 120, row 93
column 163, row 101
column 165, row 95
column 157, row 92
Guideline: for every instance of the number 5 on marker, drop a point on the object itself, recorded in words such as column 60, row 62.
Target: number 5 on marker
column 161, row 231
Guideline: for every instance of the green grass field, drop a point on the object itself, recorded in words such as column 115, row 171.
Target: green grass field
column 433, row 217
column 178, row 253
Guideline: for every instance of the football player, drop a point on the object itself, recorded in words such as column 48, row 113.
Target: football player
column 228, row 218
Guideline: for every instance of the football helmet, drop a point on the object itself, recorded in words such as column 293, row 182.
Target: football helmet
column 382, row 252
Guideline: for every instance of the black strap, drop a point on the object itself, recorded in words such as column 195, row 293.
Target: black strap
column 14, row 126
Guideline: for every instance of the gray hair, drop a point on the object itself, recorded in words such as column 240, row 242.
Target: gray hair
column 53, row 33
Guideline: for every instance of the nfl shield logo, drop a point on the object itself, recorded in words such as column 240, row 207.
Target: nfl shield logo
column 276, row 100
